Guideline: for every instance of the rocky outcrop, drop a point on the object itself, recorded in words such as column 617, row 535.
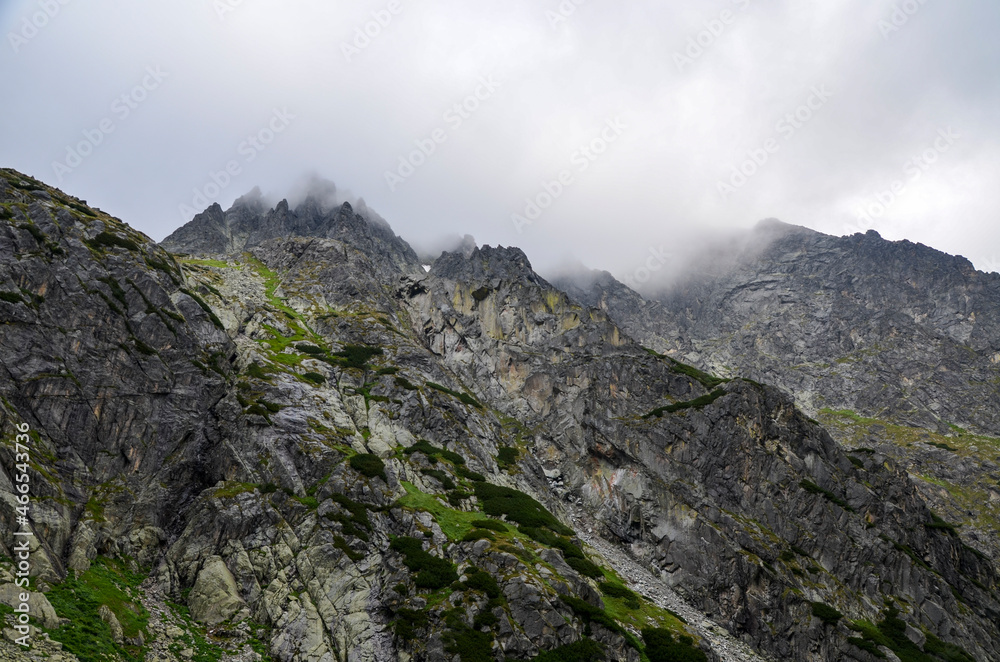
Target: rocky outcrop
column 249, row 222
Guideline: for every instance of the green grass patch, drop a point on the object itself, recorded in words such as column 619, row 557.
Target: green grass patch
column 454, row 523
column 232, row 489
column 109, row 583
column 218, row 264
column 611, row 590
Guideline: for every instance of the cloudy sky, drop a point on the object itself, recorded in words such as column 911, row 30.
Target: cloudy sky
column 588, row 128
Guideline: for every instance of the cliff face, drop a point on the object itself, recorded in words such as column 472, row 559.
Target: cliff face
column 308, row 450
column 892, row 330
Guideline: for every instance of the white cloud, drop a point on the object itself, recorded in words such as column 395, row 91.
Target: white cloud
column 686, row 128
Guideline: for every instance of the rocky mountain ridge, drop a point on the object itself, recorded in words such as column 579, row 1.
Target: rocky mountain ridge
column 312, row 452
column 891, row 330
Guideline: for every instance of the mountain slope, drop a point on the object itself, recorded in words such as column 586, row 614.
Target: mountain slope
column 332, row 457
column 891, row 330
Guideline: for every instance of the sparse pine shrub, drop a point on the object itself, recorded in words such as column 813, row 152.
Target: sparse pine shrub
column 662, row 647
column 697, row 403
column 342, row 545
column 456, row 497
column 484, row 619
column 813, row 488
column 446, row 482
column 368, row 465
column 491, row 524
column 432, row 572
column 585, row 567
column 477, row 580
column 939, row 524
column 109, row 240
column 433, row 452
column 469, row 474
column 518, row 507
column 465, row 398
column 470, row 645
column 404, row 383
column 507, row 457
column 585, row 650
column 478, row 534
column 254, row 370
column 826, row 613
column 358, row 356
column 408, row 621
column 315, row 378
column 306, row 348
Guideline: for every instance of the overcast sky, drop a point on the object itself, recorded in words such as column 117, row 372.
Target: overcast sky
column 844, row 115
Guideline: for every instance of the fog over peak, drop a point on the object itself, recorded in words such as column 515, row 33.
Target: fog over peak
column 613, row 130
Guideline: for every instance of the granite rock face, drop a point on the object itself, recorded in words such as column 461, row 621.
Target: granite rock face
column 327, row 454
column 891, row 330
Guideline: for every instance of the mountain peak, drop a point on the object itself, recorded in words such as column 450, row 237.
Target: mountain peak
column 249, row 222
